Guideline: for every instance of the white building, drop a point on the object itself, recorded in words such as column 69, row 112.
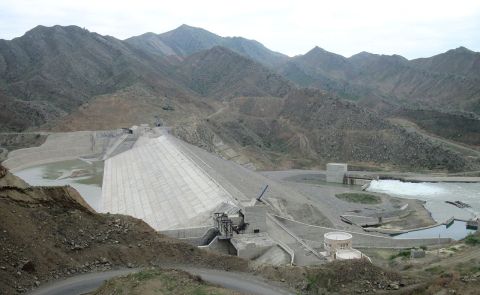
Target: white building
column 336, row 172
column 338, row 246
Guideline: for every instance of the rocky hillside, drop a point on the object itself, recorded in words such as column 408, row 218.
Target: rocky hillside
column 223, row 74
column 448, row 81
column 50, row 232
column 67, row 78
column 51, row 71
column 186, row 40
column 460, row 61
column 308, row 128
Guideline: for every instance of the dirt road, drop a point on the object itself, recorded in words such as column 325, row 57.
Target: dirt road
column 86, row 283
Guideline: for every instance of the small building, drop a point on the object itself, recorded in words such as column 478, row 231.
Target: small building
column 334, row 241
column 336, row 172
column 338, row 246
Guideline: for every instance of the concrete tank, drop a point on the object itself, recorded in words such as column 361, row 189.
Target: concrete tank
column 336, row 172
column 335, row 241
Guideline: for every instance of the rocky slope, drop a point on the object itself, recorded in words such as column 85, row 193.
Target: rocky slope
column 308, row 128
column 51, row 71
column 66, row 78
column 223, row 74
column 50, row 232
column 448, row 81
column 186, row 40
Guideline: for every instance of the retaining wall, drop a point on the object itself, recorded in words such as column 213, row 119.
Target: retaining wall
column 314, row 234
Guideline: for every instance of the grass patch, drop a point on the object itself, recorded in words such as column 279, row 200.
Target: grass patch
column 472, row 240
column 403, row 253
column 361, row 198
column 434, row 270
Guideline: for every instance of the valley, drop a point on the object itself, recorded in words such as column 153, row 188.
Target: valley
column 190, row 163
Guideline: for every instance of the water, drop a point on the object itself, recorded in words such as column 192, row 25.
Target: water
column 456, row 231
column 435, row 195
column 87, row 177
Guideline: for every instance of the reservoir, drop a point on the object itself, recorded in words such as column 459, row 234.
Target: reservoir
column 85, row 177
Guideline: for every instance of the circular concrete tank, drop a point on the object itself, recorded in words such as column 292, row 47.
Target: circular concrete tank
column 334, row 241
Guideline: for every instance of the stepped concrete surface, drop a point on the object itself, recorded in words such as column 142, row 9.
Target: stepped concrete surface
column 157, row 182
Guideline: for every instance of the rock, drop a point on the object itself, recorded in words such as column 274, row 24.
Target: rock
column 394, row 286
column 29, row 267
column 37, row 283
column 3, row 268
column 129, row 265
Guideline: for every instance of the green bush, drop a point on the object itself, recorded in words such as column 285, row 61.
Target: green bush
column 472, row 240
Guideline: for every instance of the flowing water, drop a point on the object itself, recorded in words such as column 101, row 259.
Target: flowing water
column 435, row 195
column 85, row 177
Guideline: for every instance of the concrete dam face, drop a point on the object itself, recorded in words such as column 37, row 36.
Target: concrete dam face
column 157, row 182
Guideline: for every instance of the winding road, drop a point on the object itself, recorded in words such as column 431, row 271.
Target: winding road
column 86, row 283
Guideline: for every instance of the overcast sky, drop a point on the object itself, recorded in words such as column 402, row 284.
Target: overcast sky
column 412, row 28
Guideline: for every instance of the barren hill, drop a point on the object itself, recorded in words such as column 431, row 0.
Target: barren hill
column 186, row 40
column 447, row 81
column 222, row 73
column 308, row 128
column 74, row 239
column 51, row 71
column 67, row 78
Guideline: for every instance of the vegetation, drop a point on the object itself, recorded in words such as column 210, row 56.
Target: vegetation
column 159, row 281
column 361, row 198
column 403, row 253
column 472, row 240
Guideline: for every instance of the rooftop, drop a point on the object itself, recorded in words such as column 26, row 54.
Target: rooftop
column 338, row 236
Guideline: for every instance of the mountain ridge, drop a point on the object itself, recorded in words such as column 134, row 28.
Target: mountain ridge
column 67, row 78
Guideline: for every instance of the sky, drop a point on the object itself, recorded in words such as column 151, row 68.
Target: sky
column 412, row 28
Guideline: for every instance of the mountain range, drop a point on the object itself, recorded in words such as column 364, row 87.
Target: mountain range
column 277, row 111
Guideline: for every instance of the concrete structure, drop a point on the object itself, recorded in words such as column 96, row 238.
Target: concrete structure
column 417, row 253
column 157, row 182
column 347, row 254
column 338, row 246
column 336, row 172
column 334, row 241
column 313, row 235
column 255, row 217
column 250, row 246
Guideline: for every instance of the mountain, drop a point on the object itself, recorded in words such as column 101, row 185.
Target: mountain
column 460, row 61
column 67, row 78
column 308, row 128
column 186, row 40
column 222, row 73
column 448, row 81
column 50, row 72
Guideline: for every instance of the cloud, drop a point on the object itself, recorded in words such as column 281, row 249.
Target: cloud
column 410, row 28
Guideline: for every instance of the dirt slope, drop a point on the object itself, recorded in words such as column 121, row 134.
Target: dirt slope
column 50, row 232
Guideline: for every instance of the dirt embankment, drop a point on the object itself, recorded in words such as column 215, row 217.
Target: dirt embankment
column 49, row 232
column 160, row 281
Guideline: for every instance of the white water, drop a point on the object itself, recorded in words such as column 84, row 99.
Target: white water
column 435, row 195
